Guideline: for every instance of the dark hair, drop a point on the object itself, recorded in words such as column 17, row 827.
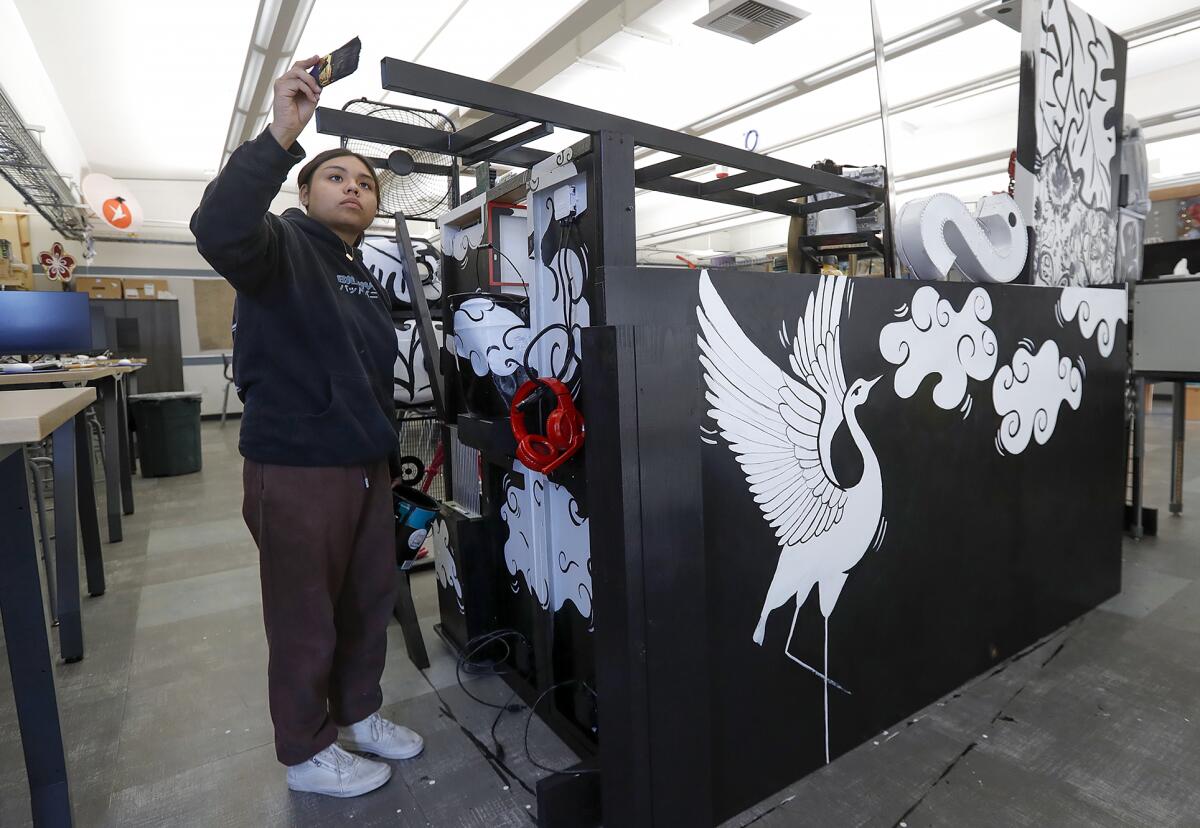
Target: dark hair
column 309, row 169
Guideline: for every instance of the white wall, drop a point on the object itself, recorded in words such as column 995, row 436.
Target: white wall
column 28, row 87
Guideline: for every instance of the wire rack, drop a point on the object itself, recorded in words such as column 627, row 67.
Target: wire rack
column 420, row 434
column 30, row 172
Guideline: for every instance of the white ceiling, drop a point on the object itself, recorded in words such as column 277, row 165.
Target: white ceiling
column 149, row 86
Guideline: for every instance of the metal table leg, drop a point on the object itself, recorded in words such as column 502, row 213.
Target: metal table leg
column 29, row 650
column 126, row 464
column 66, row 546
column 1139, row 453
column 89, row 526
column 112, row 450
column 1178, row 423
column 43, row 528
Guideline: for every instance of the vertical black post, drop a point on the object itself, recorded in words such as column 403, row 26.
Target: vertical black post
column 126, row 463
column 89, row 526
column 21, row 612
column 617, row 232
column 416, row 294
column 1139, row 452
column 614, row 491
column 66, row 546
column 1178, row 431
column 112, row 448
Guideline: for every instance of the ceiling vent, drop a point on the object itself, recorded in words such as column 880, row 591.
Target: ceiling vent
column 749, row 20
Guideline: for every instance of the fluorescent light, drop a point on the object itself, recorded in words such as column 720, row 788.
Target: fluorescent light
column 299, row 22
column 254, row 64
column 282, row 64
column 863, row 61
column 915, row 38
column 268, row 11
column 605, row 65
column 764, row 98
column 647, row 34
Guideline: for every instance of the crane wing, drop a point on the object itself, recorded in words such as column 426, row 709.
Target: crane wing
column 771, row 422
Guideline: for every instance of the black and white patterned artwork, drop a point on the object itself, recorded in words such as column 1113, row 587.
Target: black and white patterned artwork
column 1068, row 159
column 383, row 259
column 875, row 427
column 410, row 376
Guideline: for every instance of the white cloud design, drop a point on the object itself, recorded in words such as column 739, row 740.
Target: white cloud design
column 1098, row 311
column 1029, row 393
column 491, row 336
column 937, row 339
column 548, row 541
column 443, row 558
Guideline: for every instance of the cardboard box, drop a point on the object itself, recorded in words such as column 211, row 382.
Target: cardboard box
column 98, row 287
column 144, row 288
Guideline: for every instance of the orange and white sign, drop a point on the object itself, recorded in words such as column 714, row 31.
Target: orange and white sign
column 112, row 202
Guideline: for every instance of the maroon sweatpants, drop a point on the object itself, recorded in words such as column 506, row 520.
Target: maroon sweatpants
column 327, row 561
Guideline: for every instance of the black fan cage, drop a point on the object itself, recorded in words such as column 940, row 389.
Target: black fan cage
column 419, row 195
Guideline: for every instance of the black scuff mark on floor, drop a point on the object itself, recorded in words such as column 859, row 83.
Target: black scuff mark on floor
column 498, row 766
column 768, row 812
column 945, row 772
column 1054, row 654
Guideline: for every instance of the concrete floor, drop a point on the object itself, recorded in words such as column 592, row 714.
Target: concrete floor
column 165, row 721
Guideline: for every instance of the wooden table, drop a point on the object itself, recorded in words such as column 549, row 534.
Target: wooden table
column 109, row 380
column 74, row 495
column 28, row 416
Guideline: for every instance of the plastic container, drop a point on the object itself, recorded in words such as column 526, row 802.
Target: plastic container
column 168, row 432
column 414, row 511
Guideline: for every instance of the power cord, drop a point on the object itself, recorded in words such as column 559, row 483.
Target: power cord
column 468, row 663
column 529, row 721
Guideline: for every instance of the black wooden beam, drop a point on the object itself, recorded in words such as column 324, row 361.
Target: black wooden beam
column 487, row 151
column 409, row 136
column 470, row 137
column 672, row 166
column 435, row 84
column 733, row 182
column 692, row 189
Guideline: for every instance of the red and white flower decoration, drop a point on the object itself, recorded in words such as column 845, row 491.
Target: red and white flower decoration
column 58, row 263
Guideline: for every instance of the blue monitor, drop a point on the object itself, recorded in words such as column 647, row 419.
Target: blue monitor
column 44, row 322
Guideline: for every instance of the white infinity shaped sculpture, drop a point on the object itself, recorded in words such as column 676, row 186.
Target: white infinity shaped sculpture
column 935, row 233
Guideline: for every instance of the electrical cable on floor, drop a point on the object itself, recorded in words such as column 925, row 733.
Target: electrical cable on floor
column 467, row 663
column 529, row 721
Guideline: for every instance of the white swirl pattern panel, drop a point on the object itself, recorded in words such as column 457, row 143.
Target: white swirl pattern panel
column 443, row 559
column 1098, row 311
column 490, row 335
column 936, row 339
column 1029, row 393
column 548, row 541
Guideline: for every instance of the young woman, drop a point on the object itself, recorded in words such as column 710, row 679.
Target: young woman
column 312, row 359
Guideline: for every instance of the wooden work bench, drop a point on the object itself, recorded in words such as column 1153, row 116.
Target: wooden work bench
column 28, row 416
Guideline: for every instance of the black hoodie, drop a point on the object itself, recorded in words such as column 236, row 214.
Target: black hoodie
column 314, row 346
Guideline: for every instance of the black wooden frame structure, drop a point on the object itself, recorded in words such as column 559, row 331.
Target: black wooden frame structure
column 638, row 715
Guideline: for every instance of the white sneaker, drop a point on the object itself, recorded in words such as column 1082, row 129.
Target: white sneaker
column 377, row 735
column 334, row 772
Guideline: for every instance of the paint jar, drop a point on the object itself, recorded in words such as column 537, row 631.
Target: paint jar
column 414, row 511
column 489, row 340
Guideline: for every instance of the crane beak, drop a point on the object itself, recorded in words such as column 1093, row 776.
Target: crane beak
column 871, row 383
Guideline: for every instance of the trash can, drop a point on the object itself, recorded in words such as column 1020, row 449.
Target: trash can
column 168, row 432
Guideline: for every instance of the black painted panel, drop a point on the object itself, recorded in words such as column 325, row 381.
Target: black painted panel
column 983, row 553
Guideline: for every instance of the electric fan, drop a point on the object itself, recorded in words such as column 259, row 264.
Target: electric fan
column 418, row 183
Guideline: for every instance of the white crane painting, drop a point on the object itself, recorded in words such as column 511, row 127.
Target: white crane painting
column 781, row 428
